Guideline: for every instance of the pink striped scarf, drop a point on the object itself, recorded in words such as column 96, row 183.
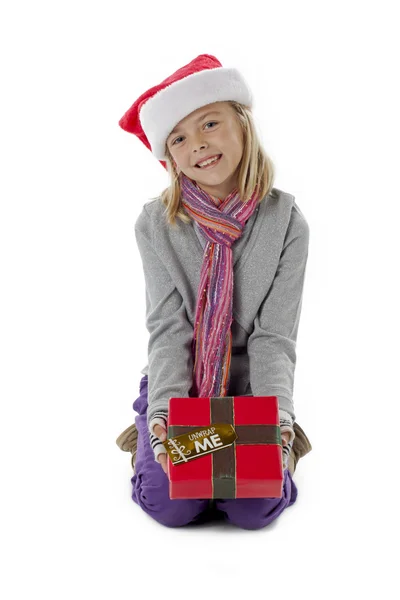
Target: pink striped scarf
column 222, row 223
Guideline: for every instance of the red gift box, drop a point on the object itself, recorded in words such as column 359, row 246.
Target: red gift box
column 251, row 467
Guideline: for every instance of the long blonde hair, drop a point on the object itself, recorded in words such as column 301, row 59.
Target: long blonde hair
column 256, row 170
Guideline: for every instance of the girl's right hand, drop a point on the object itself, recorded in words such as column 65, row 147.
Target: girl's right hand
column 161, row 433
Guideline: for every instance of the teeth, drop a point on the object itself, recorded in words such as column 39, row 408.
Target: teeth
column 208, row 162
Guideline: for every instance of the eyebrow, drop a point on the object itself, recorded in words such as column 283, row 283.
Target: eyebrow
column 203, row 116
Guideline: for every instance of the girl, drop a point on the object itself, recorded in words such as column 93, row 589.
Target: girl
column 224, row 265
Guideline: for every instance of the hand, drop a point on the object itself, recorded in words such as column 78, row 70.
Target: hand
column 161, row 433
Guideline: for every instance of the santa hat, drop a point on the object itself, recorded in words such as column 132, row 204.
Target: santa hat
column 202, row 81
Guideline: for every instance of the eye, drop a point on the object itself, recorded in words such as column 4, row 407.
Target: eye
column 180, row 137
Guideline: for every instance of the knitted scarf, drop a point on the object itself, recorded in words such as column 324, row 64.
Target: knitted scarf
column 221, row 222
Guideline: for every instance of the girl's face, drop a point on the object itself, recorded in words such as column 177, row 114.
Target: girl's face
column 212, row 130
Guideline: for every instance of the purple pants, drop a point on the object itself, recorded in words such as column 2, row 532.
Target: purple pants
column 150, row 489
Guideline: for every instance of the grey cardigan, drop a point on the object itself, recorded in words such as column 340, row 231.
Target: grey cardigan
column 269, row 262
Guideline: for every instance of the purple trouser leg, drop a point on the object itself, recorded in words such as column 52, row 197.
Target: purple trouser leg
column 150, row 488
column 150, row 485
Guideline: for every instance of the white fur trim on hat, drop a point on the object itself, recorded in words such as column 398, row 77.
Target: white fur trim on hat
column 159, row 115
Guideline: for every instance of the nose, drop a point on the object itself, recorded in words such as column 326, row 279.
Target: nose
column 198, row 144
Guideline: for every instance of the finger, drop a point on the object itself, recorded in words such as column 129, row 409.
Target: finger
column 160, row 432
column 285, row 438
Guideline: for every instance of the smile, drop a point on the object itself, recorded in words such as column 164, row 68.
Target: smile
column 210, row 164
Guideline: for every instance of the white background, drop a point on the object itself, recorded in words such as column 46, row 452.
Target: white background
column 73, row 338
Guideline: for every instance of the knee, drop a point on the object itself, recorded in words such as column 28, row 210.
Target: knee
column 155, row 502
column 247, row 522
column 175, row 513
column 174, row 517
column 252, row 513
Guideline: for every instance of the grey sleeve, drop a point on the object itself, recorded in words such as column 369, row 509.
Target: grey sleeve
column 170, row 333
column 272, row 343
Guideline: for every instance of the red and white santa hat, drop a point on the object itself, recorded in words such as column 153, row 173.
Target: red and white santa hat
column 202, row 81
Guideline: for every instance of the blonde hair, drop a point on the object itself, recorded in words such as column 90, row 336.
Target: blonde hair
column 256, row 170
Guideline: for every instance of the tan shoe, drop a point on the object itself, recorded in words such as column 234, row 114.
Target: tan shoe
column 291, row 464
column 127, row 441
column 301, row 447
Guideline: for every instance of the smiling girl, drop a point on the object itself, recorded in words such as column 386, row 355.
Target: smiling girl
column 215, row 165
column 224, row 255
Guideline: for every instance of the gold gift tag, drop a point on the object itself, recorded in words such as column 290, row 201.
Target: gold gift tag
column 200, row 441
